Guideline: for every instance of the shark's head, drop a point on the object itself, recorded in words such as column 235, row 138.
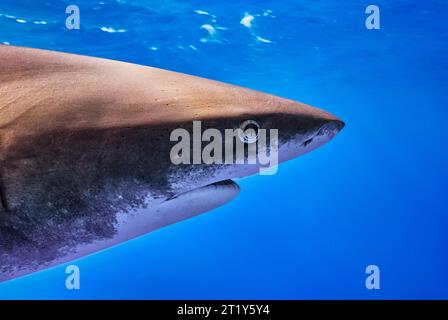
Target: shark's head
column 236, row 132
column 300, row 128
column 172, row 131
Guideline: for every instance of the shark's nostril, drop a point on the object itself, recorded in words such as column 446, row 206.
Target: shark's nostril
column 307, row 142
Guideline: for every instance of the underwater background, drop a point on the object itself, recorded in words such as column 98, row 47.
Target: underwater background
column 375, row 195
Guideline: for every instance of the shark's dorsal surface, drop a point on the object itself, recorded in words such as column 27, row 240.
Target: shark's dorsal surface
column 85, row 151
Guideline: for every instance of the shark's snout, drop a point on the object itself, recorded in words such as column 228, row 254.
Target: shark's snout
column 322, row 127
column 324, row 133
column 331, row 128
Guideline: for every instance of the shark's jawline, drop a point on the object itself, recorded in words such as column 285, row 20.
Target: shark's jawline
column 130, row 225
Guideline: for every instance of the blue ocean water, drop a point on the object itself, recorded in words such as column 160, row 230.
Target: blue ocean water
column 377, row 194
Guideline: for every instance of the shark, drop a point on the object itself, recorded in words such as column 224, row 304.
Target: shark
column 85, row 151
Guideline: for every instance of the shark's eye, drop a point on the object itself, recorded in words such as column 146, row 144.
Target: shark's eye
column 248, row 132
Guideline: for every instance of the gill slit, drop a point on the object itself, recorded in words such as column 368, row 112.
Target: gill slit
column 3, row 202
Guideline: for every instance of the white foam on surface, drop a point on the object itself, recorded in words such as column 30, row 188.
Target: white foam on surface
column 112, row 30
column 260, row 39
column 247, row 20
column 268, row 13
column 209, row 28
column 201, row 12
column 212, row 34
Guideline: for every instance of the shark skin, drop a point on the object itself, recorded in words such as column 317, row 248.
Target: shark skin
column 85, row 151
